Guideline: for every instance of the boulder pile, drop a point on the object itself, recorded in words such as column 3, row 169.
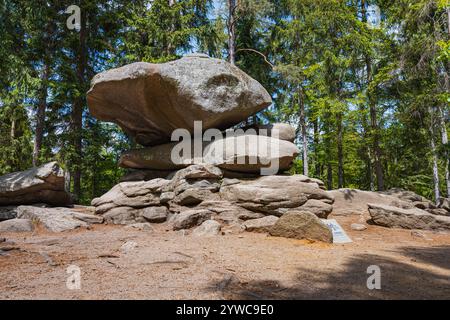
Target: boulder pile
column 235, row 182
column 193, row 99
column 197, row 168
column 200, row 193
column 44, row 184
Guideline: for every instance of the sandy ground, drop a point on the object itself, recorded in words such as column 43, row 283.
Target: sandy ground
column 170, row 265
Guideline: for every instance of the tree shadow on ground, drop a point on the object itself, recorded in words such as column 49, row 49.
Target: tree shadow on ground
column 399, row 280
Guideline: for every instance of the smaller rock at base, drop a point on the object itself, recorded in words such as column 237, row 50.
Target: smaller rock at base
column 144, row 226
column 301, row 225
column 165, row 197
column 358, row 227
column 128, row 246
column 190, row 218
column 261, row 224
column 208, row 228
column 155, row 214
column 16, row 225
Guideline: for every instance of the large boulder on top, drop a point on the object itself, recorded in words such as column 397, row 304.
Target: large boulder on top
column 44, row 184
column 149, row 101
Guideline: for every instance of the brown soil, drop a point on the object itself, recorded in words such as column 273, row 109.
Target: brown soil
column 170, row 265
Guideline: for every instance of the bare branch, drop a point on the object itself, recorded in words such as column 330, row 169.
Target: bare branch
column 261, row 54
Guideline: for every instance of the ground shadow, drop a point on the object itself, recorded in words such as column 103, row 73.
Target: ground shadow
column 399, row 280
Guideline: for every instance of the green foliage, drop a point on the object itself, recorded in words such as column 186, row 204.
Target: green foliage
column 363, row 88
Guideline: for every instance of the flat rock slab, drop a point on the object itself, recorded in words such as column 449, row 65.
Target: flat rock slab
column 390, row 216
column 150, row 101
column 16, row 225
column 44, row 184
column 273, row 195
column 53, row 219
column 241, row 154
column 261, row 224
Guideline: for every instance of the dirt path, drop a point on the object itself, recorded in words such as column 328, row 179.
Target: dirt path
column 169, row 265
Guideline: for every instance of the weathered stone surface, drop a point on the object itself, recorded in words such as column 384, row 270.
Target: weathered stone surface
column 424, row 205
column 53, row 219
column 229, row 213
column 354, row 201
column 199, row 171
column 155, row 158
column 190, row 218
column 209, row 228
column 130, row 194
column 319, row 208
column 358, row 226
column 201, row 176
column 389, row 216
column 165, row 197
column 124, row 215
column 150, row 101
column 88, row 218
column 282, row 131
column 404, row 195
column 145, row 175
column 143, row 226
column 128, row 247
column 261, row 224
column 192, row 197
column 439, row 212
column 251, row 153
column 8, row 212
column 273, row 194
column 243, row 153
column 16, row 225
column 301, row 225
column 155, row 214
column 444, row 203
column 44, row 184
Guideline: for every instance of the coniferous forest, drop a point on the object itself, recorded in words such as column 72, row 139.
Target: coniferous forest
column 365, row 83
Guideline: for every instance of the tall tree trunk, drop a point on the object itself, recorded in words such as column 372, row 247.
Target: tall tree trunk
column 170, row 50
column 375, row 132
column 366, row 148
column 77, row 111
column 303, row 129
column 444, row 139
column 317, row 166
column 437, row 195
column 376, row 148
column 340, row 151
column 40, row 114
column 329, row 176
column 373, row 117
column 231, row 24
